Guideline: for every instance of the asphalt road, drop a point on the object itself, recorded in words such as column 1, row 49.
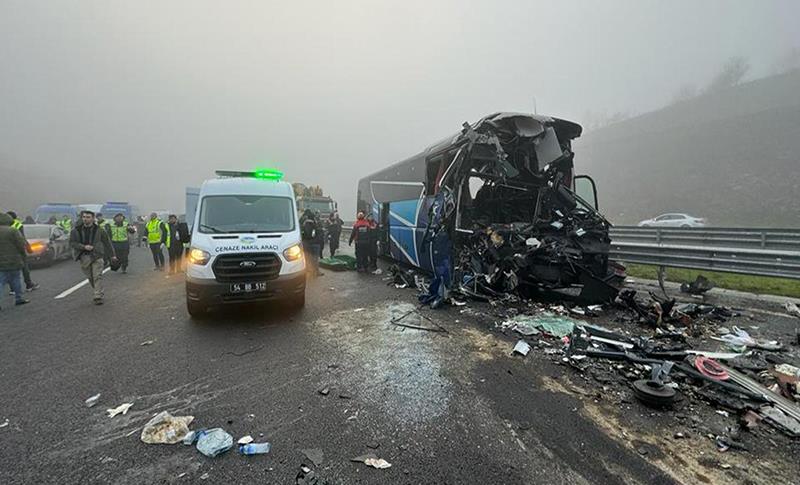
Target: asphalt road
column 440, row 407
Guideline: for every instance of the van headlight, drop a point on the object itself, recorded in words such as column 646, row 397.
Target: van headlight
column 293, row 253
column 198, row 256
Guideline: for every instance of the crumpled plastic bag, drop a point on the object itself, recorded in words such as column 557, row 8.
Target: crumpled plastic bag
column 739, row 338
column 214, row 442
column 166, row 429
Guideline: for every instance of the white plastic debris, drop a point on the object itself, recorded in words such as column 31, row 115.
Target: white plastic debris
column 378, row 463
column 358, row 310
column 533, row 242
column 121, row 409
column 214, row 442
column 146, row 342
column 522, row 348
column 4, row 423
column 166, row 429
column 245, row 440
column 792, row 308
column 92, row 400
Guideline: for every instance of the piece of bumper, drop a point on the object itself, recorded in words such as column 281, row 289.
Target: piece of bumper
column 212, row 292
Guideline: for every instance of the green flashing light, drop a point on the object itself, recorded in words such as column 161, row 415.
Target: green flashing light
column 268, row 174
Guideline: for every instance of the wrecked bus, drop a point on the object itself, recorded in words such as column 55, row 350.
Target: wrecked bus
column 496, row 209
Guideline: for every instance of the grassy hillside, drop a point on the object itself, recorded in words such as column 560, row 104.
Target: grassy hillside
column 732, row 156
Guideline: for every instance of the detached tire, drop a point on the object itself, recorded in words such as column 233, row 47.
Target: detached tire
column 196, row 310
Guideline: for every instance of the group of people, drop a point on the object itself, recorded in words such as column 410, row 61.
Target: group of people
column 96, row 243
column 314, row 233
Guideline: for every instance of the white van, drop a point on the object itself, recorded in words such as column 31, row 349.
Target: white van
column 245, row 243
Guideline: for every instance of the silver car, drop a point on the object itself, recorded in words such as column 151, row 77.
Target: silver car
column 674, row 220
column 47, row 243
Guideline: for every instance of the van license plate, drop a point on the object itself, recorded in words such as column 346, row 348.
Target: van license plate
column 248, row 287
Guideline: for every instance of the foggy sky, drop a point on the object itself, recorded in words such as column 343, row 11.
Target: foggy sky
column 155, row 95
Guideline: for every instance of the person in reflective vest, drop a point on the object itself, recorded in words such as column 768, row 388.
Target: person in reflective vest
column 101, row 221
column 157, row 236
column 119, row 231
column 65, row 223
column 26, row 271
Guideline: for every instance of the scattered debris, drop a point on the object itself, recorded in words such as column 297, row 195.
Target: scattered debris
column 372, row 460
column 191, row 437
column 314, row 454
column 4, row 423
column 146, row 342
column 166, row 429
column 213, row 442
column 90, row 402
column 653, row 393
column 121, row 409
column 402, row 322
column 697, row 287
column 255, row 449
column 792, row 309
column 522, row 348
column 341, row 262
column 324, row 391
column 245, row 440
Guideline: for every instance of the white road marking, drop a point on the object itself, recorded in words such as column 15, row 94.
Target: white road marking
column 76, row 287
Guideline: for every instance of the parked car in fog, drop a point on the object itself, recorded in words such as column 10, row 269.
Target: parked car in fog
column 674, row 220
column 48, row 243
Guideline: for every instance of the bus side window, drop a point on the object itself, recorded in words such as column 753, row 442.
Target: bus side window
column 432, row 175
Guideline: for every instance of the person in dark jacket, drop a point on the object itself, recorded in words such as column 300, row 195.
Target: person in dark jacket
column 174, row 244
column 26, row 270
column 334, row 232
column 186, row 237
column 360, row 234
column 12, row 258
column 91, row 246
column 310, row 233
column 372, row 235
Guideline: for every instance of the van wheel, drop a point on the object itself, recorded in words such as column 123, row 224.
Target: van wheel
column 196, row 310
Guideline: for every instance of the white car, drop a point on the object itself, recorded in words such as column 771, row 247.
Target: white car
column 674, row 220
column 245, row 243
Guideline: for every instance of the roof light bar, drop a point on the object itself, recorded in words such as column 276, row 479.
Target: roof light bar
column 261, row 173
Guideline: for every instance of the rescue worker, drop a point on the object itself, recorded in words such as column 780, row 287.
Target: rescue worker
column 119, row 232
column 101, row 221
column 334, row 232
column 373, row 242
column 174, row 244
column 157, row 236
column 26, row 270
column 360, row 234
column 309, row 232
column 12, row 253
column 65, row 223
column 91, row 246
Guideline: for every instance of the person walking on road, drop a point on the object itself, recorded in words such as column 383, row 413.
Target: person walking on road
column 91, row 246
column 360, row 234
column 334, row 232
column 120, row 231
column 12, row 258
column 174, row 244
column 26, row 270
column 157, row 235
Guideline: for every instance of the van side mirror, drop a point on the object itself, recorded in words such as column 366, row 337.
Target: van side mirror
column 586, row 190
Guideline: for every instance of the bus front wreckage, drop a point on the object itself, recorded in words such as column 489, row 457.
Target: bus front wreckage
column 499, row 212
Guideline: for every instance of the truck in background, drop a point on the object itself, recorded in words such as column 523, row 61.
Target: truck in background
column 313, row 198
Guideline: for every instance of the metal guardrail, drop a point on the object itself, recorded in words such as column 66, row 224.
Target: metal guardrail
column 753, row 251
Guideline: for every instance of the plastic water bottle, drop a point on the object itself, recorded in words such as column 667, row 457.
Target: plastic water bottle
column 255, row 448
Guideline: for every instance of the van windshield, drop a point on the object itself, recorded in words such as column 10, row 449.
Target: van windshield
column 245, row 213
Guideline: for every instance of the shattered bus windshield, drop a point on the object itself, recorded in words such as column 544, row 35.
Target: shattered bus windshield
column 498, row 204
